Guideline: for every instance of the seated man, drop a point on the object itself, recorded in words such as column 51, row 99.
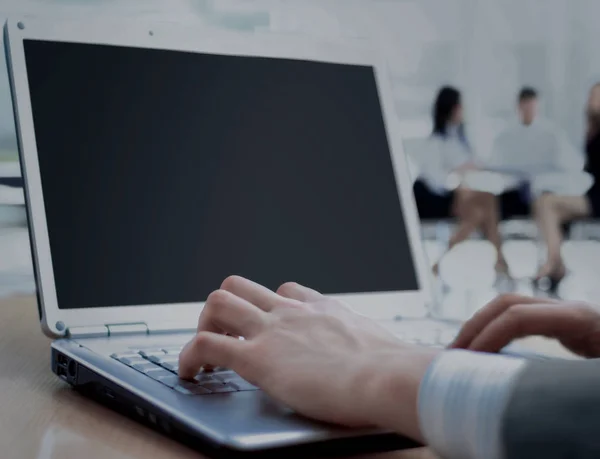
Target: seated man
column 528, row 147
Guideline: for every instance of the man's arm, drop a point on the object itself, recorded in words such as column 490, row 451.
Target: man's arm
column 554, row 406
column 554, row 411
column 461, row 403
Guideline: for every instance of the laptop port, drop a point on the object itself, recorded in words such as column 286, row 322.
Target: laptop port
column 72, row 369
column 62, row 360
column 61, row 372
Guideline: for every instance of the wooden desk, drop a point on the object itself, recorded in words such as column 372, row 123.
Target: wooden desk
column 42, row 418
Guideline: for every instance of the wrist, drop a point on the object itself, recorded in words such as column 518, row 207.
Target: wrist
column 393, row 389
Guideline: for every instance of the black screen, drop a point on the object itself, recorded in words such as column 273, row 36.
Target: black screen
column 164, row 172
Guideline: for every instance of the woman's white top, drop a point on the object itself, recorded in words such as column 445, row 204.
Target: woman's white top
column 438, row 157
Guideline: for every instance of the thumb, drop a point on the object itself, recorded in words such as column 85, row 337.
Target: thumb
column 521, row 320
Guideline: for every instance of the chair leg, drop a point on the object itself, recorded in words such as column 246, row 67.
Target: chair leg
column 442, row 234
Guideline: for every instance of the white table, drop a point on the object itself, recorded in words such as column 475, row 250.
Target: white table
column 485, row 181
column 561, row 183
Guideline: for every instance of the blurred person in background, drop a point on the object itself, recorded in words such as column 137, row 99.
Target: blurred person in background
column 553, row 210
column 447, row 153
column 530, row 146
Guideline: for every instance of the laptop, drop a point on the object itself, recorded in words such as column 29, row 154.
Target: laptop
column 158, row 161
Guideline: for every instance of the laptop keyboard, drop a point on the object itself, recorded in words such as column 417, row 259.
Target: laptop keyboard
column 162, row 365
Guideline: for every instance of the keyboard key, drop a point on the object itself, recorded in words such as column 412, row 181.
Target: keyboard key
column 159, row 373
column 174, row 367
column 242, row 385
column 202, row 378
column 227, row 376
column 147, row 354
column 131, row 361
column 218, row 387
column 146, row 366
column 172, row 381
column 164, row 359
column 189, row 388
column 123, row 355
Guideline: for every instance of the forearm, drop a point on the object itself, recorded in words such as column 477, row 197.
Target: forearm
column 453, row 401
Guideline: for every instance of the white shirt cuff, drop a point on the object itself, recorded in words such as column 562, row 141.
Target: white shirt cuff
column 462, row 399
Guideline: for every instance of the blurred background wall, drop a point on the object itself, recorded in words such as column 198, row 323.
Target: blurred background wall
column 489, row 48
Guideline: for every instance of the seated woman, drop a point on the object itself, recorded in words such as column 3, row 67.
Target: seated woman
column 553, row 210
column 448, row 152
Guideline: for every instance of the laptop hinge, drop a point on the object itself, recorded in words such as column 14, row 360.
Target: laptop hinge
column 128, row 329
column 98, row 331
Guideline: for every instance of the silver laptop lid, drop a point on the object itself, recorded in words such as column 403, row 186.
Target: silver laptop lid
column 158, row 162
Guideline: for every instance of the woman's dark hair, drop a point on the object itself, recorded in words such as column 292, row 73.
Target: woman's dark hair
column 593, row 119
column 447, row 100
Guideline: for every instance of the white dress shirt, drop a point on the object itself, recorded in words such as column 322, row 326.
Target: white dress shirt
column 438, row 157
column 540, row 147
column 462, row 400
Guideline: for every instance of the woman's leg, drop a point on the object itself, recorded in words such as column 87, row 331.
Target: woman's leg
column 468, row 208
column 490, row 228
column 551, row 211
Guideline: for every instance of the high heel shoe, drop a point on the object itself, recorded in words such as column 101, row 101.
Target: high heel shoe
column 551, row 282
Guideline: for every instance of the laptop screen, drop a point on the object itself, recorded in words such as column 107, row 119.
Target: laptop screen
column 164, row 172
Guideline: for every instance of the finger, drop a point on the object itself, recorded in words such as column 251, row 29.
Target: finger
column 254, row 293
column 487, row 314
column 212, row 349
column 226, row 313
column 299, row 292
column 519, row 321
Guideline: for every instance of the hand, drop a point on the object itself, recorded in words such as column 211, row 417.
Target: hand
column 312, row 353
column 510, row 317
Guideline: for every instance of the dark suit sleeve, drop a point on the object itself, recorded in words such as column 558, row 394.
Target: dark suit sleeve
column 554, row 411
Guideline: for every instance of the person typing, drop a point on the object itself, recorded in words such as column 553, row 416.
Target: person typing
column 320, row 358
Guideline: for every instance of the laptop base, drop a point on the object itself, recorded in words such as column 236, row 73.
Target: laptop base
column 334, row 442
